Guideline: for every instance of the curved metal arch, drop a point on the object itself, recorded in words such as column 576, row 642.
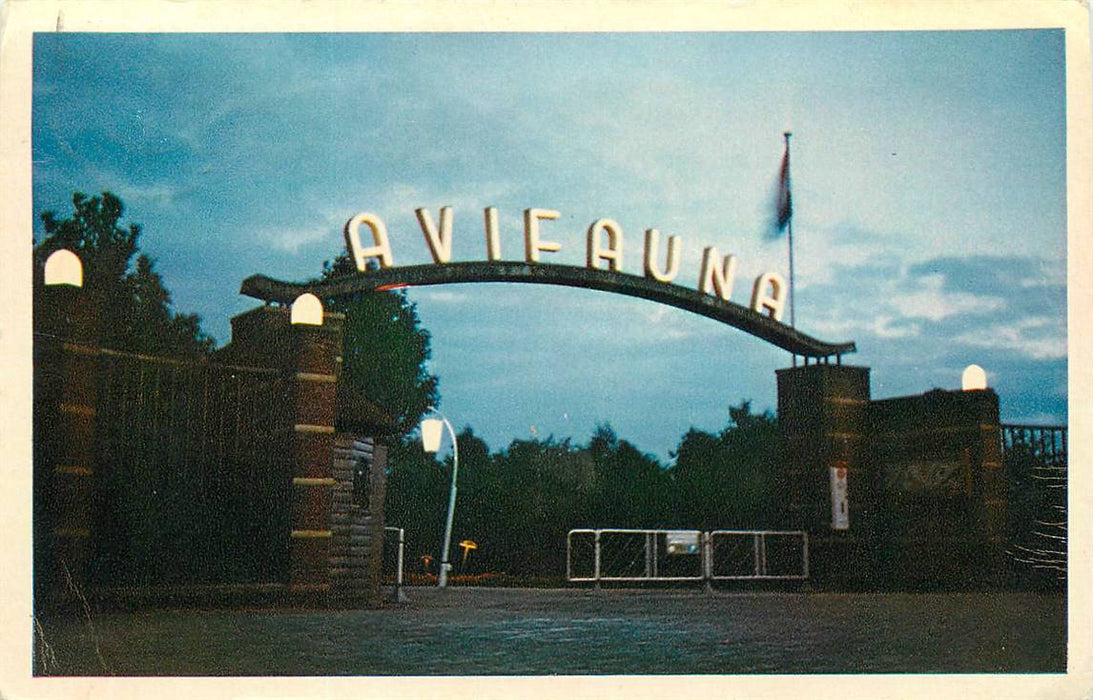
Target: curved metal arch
column 348, row 286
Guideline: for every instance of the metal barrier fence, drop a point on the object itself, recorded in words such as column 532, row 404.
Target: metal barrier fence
column 624, row 555
column 1049, row 442
column 758, row 554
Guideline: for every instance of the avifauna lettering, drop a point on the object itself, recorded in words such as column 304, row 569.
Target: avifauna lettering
column 603, row 250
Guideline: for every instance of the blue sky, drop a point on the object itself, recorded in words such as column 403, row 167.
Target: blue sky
column 928, row 171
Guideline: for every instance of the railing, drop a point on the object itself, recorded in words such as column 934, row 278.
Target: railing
column 630, row 555
column 1047, row 441
column 399, row 542
column 1036, row 461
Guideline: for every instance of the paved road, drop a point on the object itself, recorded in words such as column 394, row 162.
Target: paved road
column 462, row 631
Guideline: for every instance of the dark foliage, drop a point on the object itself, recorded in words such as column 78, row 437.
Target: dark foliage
column 134, row 307
column 518, row 504
column 386, row 350
column 729, row 478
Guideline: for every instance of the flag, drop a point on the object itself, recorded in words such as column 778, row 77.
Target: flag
column 784, row 204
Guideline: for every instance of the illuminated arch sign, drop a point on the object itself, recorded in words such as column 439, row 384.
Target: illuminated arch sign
column 602, row 272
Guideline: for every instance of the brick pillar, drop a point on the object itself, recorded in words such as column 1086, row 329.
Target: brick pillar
column 311, row 356
column 989, row 508
column 66, row 360
column 316, row 357
column 822, row 415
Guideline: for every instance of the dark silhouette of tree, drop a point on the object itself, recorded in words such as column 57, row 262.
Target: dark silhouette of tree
column 481, row 490
column 631, row 487
column 134, row 307
column 417, row 501
column 729, row 479
column 386, row 350
column 547, row 487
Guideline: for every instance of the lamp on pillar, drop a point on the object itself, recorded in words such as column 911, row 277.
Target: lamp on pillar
column 973, row 379
column 431, row 434
column 63, row 267
column 307, row 310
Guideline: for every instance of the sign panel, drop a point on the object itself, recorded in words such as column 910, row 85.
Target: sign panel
column 840, row 504
column 769, row 292
column 681, row 542
column 940, row 478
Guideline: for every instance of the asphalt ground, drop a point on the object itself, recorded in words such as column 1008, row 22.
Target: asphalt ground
column 494, row 631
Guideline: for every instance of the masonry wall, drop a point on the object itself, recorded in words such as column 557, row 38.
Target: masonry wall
column 224, row 480
column 357, row 517
column 941, row 488
column 924, row 483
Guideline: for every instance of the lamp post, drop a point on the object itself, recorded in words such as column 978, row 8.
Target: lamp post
column 430, row 440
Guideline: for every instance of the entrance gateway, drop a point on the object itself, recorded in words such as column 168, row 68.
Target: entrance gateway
column 375, row 265
column 898, row 491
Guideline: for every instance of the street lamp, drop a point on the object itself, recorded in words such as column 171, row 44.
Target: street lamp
column 430, row 440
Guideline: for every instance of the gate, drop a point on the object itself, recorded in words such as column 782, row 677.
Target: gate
column 617, row 555
column 192, row 472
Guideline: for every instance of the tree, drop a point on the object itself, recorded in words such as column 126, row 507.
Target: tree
column 519, row 504
column 135, row 308
column 631, row 487
column 386, row 350
column 729, row 479
column 546, row 488
column 480, row 492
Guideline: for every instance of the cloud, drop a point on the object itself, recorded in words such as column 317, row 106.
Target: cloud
column 886, row 327
column 441, row 296
column 934, row 305
column 978, row 273
column 290, row 239
column 162, row 194
column 1012, row 305
column 1036, row 338
column 1038, row 418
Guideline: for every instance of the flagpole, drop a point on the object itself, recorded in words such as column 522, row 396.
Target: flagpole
column 792, row 319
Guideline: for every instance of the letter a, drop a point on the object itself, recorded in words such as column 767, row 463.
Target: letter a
column 613, row 252
column 773, row 301
column 382, row 247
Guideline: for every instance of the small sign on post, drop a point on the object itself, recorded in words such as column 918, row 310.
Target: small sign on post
column 840, row 505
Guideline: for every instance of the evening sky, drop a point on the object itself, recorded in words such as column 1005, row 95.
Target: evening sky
column 929, row 189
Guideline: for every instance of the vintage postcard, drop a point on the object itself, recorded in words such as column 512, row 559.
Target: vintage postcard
column 518, row 347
